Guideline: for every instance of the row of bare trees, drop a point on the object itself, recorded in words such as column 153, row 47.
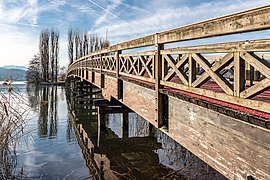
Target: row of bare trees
column 49, row 50
column 44, row 66
column 81, row 44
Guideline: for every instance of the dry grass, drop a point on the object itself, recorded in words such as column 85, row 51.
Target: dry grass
column 13, row 111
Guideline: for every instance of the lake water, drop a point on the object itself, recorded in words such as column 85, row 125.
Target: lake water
column 63, row 140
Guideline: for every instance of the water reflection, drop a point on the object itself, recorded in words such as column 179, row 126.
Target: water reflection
column 119, row 144
column 43, row 100
column 49, row 149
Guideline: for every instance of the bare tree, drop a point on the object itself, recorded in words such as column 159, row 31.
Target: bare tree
column 77, row 44
column 44, row 54
column 70, row 45
column 85, row 43
column 80, row 45
column 54, row 49
column 92, row 43
column 33, row 73
column 56, row 55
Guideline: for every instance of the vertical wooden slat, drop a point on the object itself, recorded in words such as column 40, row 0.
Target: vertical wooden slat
column 249, row 74
column 119, row 81
column 117, row 53
column 239, row 74
column 192, row 70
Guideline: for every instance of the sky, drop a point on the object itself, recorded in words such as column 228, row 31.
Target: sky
column 21, row 21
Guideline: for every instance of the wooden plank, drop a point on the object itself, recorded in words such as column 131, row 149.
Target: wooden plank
column 192, row 70
column 170, row 60
column 178, row 64
column 132, row 63
column 216, row 67
column 249, row 74
column 147, row 79
column 246, row 21
column 252, row 104
column 257, row 63
column 255, row 89
column 146, row 53
column 230, row 47
column 117, row 58
column 145, row 66
column 239, row 74
column 222, row 82
column 244, row 147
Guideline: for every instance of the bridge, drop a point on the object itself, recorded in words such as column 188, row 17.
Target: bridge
column 213, row 99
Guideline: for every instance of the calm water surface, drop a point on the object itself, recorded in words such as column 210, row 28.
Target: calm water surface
column 64, row 141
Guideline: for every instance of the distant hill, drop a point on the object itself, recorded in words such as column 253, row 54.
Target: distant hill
column 15, row 67
column 15, row 73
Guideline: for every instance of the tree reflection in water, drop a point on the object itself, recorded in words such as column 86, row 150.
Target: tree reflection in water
column 43, row 101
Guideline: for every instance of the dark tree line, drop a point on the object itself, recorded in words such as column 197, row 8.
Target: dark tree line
column 81, row 44
column 44, row 66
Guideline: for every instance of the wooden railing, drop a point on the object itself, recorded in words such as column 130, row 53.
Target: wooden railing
column 231, row 72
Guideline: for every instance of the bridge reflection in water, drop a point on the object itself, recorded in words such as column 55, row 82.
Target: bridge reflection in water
column 119, row 144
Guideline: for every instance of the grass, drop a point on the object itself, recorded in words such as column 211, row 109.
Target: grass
column 13, row 111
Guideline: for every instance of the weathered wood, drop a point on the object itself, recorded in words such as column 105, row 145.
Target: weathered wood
column 142, row 78
column 144, row 63
column 246, row 21
column 181, row 75
column 222, row 82
column 257, row 63
column 158, row 73
column 249, row 74
column 230, row 47
column 216, row 67
column 253, row 104
column 179, row 63
column 234, row 148
column 239, row 74
column 117, row 62
column 192, row 70
column 255, row 89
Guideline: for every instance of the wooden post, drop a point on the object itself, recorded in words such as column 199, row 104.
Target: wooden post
column 158, row 74
column 102, row 76
column 101, row 117
column 239, row 74
column 119, row 81
column 117, row 53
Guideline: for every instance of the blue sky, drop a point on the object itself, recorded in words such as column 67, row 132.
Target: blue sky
column 22, row 20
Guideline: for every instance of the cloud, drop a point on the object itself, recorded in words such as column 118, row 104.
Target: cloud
column 22, row 20
column 12, row 12
column 167, row 18
column 108, row 11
